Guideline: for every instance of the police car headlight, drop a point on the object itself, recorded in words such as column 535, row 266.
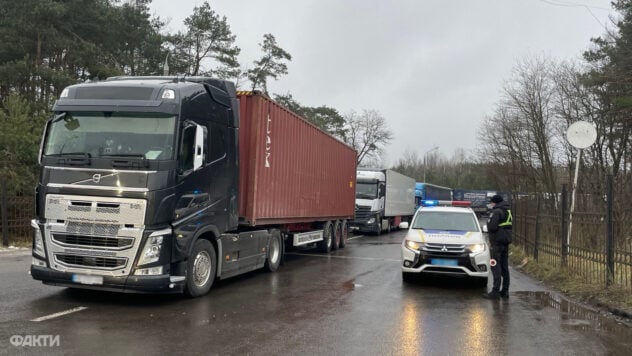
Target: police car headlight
column 413, row 245
column 476, row 248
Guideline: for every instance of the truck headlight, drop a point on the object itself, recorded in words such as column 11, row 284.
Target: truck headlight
column 476, row 248
column 153, row 246
column 371, row 221
column 413, row 245
column 38, row 241
column 151, row 271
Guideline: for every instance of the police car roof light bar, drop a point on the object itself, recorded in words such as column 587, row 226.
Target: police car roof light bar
column 458, row 203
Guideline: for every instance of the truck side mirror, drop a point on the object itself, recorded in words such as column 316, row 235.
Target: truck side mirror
column 198, row 154
column 41, row 148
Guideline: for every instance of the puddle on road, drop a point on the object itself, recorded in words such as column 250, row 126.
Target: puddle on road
column 577, row 316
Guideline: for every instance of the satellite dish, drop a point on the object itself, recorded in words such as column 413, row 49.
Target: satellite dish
column 581, row 134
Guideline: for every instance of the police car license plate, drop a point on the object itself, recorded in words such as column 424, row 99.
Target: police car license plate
column 443, row 262
column 83, row 279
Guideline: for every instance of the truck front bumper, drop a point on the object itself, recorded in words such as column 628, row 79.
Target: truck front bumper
column 363, row 226
column 125, row 284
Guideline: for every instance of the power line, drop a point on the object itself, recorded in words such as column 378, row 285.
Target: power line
column 572, row 4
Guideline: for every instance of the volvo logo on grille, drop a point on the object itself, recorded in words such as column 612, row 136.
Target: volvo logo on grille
column 444, row 248
column 96, row 178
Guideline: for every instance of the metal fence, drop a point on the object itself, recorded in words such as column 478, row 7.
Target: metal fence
column 599, row 246
column 16, row 212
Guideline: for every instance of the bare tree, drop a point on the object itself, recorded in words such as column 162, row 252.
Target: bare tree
column 367, row 133
column 520, row 135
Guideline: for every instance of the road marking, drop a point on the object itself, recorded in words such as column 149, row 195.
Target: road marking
column 355, row 237
column 344, row 257
column 56, row 315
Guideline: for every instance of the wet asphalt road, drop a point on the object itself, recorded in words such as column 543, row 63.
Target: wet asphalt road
column 351, row 302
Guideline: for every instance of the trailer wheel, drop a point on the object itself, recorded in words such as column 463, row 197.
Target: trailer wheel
column 337, row 236
column 275, row 251
column 344, row 234
column 201, row 269
column 325, row 244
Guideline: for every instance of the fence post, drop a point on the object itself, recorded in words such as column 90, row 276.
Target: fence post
column 537, row 229
column 525, row 227
column 564, row 226
column 609, row 232
column 5, row 218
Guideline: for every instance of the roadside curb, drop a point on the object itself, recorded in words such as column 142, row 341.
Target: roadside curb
column 614, row 310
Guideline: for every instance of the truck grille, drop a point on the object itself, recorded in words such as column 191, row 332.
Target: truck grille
column 93, row 234
column 89, row 261
column 92, row 229
column 96, row 241
column 362, row 213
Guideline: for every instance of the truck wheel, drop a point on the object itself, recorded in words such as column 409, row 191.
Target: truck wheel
column 378, row 220
column 344, row 233
column 275, row 251
column 201, row 269
column 337, row 235
column 325, row 244
column 388, row 226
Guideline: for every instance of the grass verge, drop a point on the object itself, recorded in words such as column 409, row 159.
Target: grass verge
column 563, row 279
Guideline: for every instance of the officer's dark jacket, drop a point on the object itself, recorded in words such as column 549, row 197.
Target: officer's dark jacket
column 499, row 225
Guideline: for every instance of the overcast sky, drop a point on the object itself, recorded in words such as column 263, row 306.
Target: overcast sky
column 432, row 68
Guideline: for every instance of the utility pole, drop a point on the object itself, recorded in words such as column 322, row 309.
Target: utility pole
column 425, row 154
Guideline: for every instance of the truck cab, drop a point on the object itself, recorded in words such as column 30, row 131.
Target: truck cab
column 384, row 199
column 131, row 168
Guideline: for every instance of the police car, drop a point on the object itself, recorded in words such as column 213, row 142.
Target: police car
column 445, row 237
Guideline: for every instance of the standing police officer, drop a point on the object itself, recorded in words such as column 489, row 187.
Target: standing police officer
column 499, row 229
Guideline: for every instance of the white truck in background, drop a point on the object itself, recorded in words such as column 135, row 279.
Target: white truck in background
column 384, row 199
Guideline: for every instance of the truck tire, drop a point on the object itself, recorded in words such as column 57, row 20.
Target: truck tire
column 201, row 269
column 337, row 236
column 344, row 233
column 275, row 251
column 378, row 220
column 388, row 226
column 325, row 244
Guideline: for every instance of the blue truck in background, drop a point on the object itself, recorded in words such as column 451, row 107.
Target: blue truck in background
column 427, row 191
column 479, row 199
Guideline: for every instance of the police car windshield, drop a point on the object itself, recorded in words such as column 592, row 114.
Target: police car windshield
column 445, row 220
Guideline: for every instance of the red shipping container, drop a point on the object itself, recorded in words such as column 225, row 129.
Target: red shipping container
column 290, row 171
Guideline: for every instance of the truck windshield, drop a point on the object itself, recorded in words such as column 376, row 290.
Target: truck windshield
column 442, row 220
column 99, row 134
column 366, row 190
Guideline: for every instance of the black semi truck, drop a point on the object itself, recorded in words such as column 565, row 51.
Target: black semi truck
column 163, row 184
